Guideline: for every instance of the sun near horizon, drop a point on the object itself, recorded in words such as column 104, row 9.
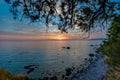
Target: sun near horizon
column 59, row 37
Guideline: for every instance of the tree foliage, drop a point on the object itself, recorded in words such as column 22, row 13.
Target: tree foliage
column 84, row 14
column 112, row 45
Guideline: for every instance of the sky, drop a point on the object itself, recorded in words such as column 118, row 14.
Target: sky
column 11, row 29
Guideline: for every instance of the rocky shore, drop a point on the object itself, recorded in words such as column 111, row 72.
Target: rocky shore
column 93, row 68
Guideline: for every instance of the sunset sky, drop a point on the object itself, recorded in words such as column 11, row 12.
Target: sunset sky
column 11, row 29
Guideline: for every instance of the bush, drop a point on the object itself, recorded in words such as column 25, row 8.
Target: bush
column 4, row 75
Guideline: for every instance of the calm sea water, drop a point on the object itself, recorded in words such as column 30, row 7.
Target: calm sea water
column 49, row 55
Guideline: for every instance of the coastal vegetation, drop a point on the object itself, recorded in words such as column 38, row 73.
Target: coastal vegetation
column 4, row 75
column 111, row 48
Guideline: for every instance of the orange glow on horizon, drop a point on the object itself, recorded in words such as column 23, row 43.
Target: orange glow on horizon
column 26, row 37
column 44, row 37
column 60, row 37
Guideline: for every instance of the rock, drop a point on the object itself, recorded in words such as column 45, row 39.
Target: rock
column 63, row 76
column 45, row 78
column 97, row 51
column 78, row 71
column 91, row 55
column 90, row 60
column 74, row 78
column 31, row 66
column 54, row 78
column 81, row 71
column 9, row 61
column 86, row 59
column 39, row 79
column 62, row 61
column 66, row 78
column 66, row 47
column 91, row 45
column 68, row 71
column 30, row 70
column 73, row 67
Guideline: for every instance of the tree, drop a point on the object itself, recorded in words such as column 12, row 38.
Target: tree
column 67, row 14
column 112, row 45
column 111, row 49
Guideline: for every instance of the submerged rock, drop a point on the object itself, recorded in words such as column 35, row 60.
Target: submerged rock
column 91, row 55
column 31, row 66
column 66, row 47
column 54, row 78
column 30, row 70
column 45, row 78
column 9, row 61
column 91, row 45
column 62, row 61
column 63, row 76
column 68, row 71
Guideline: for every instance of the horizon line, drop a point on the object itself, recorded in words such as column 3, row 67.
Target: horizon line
column 53, row 39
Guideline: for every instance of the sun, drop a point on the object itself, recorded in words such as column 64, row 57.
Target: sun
column 60, row 37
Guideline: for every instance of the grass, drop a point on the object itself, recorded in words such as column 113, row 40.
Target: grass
column 5, row 75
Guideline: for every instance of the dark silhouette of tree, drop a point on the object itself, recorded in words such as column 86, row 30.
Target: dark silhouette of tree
column 85, row 14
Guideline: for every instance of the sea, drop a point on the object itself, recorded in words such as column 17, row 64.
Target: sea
column 48, row 57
